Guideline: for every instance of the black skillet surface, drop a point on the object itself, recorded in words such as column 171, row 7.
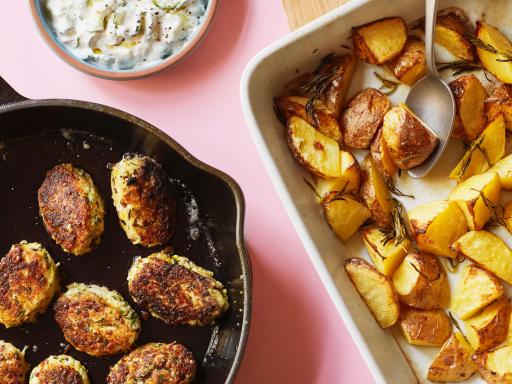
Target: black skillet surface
column 36, row 135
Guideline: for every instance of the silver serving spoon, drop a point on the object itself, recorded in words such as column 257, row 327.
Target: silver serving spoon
column 431, row 99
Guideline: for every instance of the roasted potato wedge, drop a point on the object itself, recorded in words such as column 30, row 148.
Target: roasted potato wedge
column 453, row 363
column 487, row 250
column 476, row 289
column 381, row 155
column 375, row 289
column 490, row 35
column 489, row 328
column 363, row 117
column 470, row 95
column 495, row 366
column 375, row 192
column 410, row 66
column 316, row 152
column 386, row 255
column 489, row 148
column 474, row 162
column 408, row 141
column 500, row 101
column 380, row 41
column 340, row 70
column 437, row 225
column 493, row 139
column 451, row 28
column 345, row 215
column 323, row 119
column 347, row 182
column 469, row 195
column 421, row 282
column 332, row 76
column 426, row 328
column 504, row 169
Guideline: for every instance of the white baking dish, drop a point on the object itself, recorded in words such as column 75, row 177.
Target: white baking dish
column 389, row 358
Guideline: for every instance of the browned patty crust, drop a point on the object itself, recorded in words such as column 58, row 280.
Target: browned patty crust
column 177, row 291
column 96, row 320
column 72, row 209
column 144, row 200
column 28, row 281
column 61, row 369
column 155, row 363
column 13, row 367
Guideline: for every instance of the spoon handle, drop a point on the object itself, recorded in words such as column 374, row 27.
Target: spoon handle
column 430, row 28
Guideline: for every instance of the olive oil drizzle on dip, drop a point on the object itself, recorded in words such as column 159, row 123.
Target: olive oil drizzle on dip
column 125, row 34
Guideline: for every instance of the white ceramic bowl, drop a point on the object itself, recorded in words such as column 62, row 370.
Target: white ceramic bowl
column 60, row 50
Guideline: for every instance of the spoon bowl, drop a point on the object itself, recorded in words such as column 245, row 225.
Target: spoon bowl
column 431, row 98
column 432, row 101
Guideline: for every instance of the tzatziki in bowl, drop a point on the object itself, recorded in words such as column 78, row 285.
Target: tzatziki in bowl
column 123, row 39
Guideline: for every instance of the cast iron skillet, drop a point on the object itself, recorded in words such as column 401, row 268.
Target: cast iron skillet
column 35, row 135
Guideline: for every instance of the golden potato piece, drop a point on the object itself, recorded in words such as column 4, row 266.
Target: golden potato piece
column 474, row 162
column 348, row 180
column 490, row 35
column 451, row 28
column 375, row 192
column 489, row 328
column 504, row 169
column 375, row 289
column 381, row 155
column 469, row 195
column 493, row 139
column 453, row 362
column 426, row 328
column 363, row 117
column 487, row 250
column 322, row 119
column 386, row 255
column 410, row 66
column 341, row 70
column 470, row 95
column 408, row 141
column 489, row 148
column 421, row 282
column 476, row 289
column 437, row 225
column 380, row 41
column 345, row 215
column 332, row 78
column 495, row 366
column 500, row 101
column 316, row 152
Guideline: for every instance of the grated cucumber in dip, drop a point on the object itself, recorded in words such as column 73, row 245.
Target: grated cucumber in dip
column 125, row 34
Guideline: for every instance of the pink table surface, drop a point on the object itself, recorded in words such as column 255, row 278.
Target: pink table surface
column 296, row 334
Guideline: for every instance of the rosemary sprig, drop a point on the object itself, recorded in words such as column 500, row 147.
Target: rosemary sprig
column 417, row 24
column 459, row 67
column 454, row 263
column 341, row 195
column 310, row 185
column 496, row 211
column 387, row 84
column 393, row 188
column 314, row 88
column 400, row 230
column 474, row 146
column 456, row 324
column 479, row 43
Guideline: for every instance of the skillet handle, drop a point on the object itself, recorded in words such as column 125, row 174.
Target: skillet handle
column 9, row 95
